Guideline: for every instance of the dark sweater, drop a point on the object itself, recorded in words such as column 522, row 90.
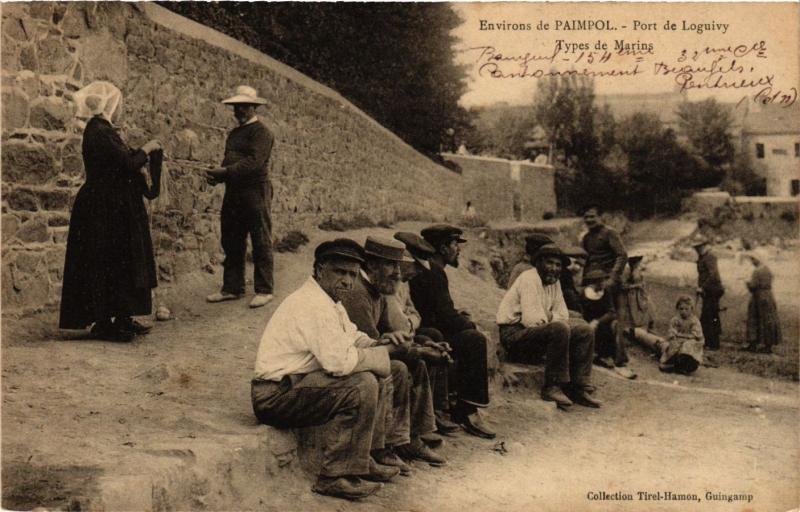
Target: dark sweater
column 247, row 152
column 365, row 307
column 430, row 292
column 606, row 252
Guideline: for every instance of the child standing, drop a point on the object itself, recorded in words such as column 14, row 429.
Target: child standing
column 683, row 352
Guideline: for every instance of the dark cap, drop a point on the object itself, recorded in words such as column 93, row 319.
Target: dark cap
column 386, row 249
column 573, row 251
column 634, row 259
column 594, row 275
column 442, row 233
column 588, row 206
column 341, row 248
column 416, row 245
column 535, row 241
column 551, row 250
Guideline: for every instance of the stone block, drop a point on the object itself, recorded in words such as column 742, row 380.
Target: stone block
column 104, row 58
column 51, row 113
column 56, row 220
column 41, row 10
column 22, row 199
column 34, row 230
column 56, row 199
column 184, row 144
column 54, row 259
column 60, row 234
column 10, row 226
column 74, row 23
column 15, row 109
column 54, row 57
column 27, row 58
column 16, row 28
column 27, row 163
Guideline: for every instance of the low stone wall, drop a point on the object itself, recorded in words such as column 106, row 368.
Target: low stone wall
column 537, row 184
column 757, row 219
column 330, row 159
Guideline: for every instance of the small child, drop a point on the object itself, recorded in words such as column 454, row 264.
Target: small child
column 683, row 350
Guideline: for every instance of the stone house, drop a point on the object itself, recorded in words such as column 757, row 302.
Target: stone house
column 771, row 136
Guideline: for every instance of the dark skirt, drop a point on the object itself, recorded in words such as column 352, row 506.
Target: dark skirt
column 109, row 270
column 763, row 325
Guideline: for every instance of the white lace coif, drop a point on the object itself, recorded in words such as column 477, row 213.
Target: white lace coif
column 97, row 98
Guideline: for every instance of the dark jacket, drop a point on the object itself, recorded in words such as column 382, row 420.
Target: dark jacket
column 430, row 292
column 605, row 252
column 365, row 306
column 109, row 267
column 708, row 276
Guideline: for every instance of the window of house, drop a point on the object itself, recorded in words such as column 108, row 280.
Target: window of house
column 795, row 187
column 779, row 152
column 797, row 149
column 759, row 151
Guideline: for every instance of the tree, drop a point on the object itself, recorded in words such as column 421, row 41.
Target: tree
column 707, row 125
column 395, row 61
column 501, row 132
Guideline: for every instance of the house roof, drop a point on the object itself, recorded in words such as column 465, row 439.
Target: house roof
column 772, row 120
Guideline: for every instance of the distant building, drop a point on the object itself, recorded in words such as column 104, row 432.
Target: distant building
column 771, row 136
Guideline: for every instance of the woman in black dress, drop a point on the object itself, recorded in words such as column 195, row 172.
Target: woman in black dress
column 109, row 269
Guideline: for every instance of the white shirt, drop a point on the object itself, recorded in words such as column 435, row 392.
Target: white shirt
column 309, row 332
column 530, row 302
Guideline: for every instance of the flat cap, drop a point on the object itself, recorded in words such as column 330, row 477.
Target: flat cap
column 442, row 233
column 416, row 245
column 386, row 249
column 535, row 241
column 573, row 251
column 344, row 248
column 551, row 250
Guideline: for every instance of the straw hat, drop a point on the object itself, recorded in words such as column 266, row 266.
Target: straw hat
column 245, row 94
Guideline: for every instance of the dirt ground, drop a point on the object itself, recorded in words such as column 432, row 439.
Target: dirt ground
column 78, row 414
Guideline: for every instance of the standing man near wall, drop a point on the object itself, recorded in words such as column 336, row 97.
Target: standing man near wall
column 246, row 204
column 709, row 287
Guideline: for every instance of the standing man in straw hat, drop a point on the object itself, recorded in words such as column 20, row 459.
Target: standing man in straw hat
column 709, row 287
column 246, row 205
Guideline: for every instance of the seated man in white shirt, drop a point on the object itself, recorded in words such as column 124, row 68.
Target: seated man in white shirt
column 314, row 367
column 534, row 321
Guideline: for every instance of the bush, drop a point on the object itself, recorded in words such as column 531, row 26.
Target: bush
column 291, row 241
column 345, row 224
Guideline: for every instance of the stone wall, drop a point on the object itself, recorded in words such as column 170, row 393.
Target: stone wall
column 330, row 159
column 501, row 189
column 757, row 219
column 536, row 191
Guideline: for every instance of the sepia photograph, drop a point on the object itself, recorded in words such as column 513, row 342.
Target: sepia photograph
column 400, row 256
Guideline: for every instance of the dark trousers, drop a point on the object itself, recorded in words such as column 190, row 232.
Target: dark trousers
column 393, row 417
column 709, row 320
column 348, row 406
column 567, row 349
column 472, row 375
column 247, row 212
column 438, row 373
column 422, row 419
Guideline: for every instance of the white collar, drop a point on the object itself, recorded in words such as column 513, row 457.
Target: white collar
column 250, row 121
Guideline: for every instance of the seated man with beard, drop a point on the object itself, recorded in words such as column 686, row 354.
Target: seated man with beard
column 366, row 306
column 534, row 321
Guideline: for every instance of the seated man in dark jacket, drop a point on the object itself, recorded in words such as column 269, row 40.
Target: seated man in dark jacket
column 430, row 292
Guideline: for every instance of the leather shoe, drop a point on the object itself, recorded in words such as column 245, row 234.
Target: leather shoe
column 554, row 394
column 432, row 440
column 443, row 425
column 379, row 472
column 261, row 299
column 134, row 326
column 107, row 331
column 582, row 397
column 387, row 457
column 417, row 450
column 347, row 487
column 221, row 297
column 473, row 425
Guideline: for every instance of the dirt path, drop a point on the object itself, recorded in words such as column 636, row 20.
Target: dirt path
column 76, row 412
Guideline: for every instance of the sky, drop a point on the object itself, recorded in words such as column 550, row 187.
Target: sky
column 745, row 52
